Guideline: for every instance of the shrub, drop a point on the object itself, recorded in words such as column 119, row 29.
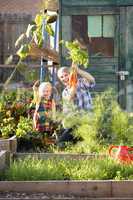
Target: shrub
column 107, row 124
column 24, row 126
column 13, row 105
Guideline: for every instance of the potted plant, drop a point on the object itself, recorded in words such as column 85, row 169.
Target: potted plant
column 34, row 42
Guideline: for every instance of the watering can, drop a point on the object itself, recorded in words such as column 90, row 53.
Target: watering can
column 122, row 153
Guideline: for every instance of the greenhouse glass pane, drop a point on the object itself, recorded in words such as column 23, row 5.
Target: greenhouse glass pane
column 94, row 26
column 109, row 26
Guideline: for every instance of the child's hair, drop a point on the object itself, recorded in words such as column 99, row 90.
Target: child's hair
column 37, row 89
column 44, row 85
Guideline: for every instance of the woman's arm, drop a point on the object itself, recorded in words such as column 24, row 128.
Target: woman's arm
column 84, row 74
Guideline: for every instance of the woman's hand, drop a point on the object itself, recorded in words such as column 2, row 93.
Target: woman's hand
column 74, row 66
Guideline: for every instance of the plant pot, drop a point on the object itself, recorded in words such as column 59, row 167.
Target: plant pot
column 9, row 144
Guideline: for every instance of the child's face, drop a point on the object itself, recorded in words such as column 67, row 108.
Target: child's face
column 46, row 92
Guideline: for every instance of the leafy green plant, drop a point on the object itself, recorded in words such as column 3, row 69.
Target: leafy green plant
column 103, row 105
column 121, row 126
column 8, row 127
column 12, row 105
column 29, row 41
column 24, row 126
column 67, row 169
column 83, row 127
column 107, row 124
column 76, row 53
column 33, row 34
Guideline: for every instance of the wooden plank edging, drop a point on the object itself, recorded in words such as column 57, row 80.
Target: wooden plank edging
column 58, row 155
column 122, row 188
column 91, row 188
column 4, row 160
column 77, row 188
column 9, row 144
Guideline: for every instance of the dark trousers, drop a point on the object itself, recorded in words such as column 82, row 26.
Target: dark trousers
column 67, row 136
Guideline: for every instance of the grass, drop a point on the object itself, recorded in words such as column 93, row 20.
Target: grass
column 67, row 169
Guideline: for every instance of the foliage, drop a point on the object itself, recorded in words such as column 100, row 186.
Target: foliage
column 82, row 123
column 7, row 127
column 24, row 126
column 67, row 169
column 13, row 105
column 23, row 51
column 103, row 105
column 76, row 53
column 33, row 34
column 106, row 124
column 7, row 122
column 113, row 124
column 121, row 126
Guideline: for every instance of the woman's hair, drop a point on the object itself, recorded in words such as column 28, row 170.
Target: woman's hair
column 63, row 69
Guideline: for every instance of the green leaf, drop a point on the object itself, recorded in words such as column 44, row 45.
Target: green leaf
column 30, row 30
column 49, row 29
column 61, row 42
column 40, row 44
column 23, row 51
column 37, row 36
column 39, row 19
column 20, row 39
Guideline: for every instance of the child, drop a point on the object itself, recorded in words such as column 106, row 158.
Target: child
column 44, row 108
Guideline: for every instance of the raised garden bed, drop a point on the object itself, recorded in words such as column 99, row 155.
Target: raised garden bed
column 4, row 160
column 9, row 144
column 54, row 186
column 92, row 189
